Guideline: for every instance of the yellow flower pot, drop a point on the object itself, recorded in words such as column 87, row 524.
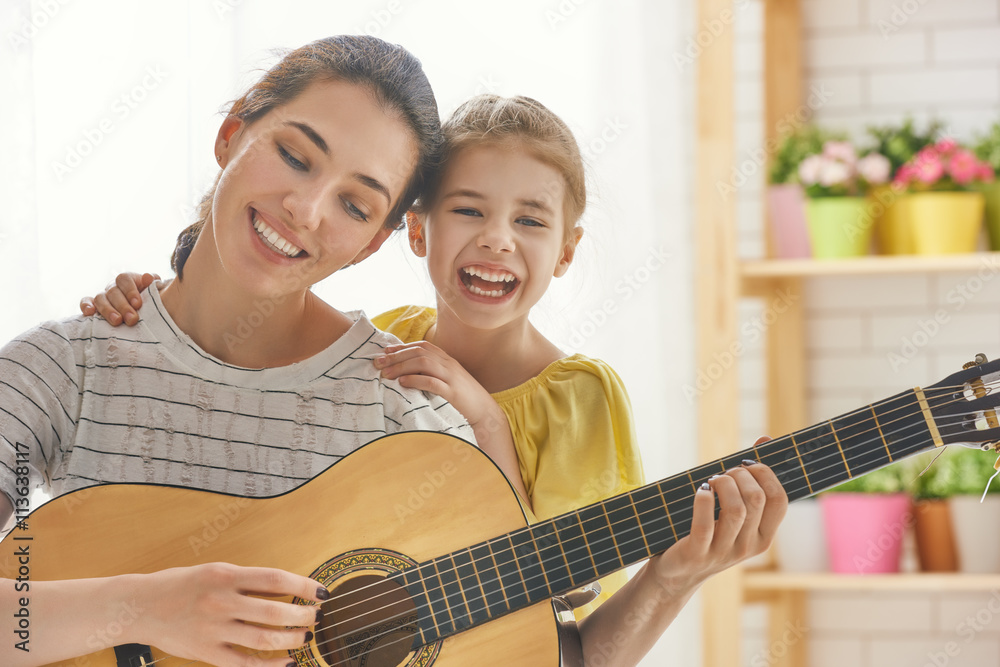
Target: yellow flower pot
column 893, row 225
column 946, row 222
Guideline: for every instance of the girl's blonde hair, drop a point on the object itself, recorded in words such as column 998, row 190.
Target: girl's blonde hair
column 523, row 123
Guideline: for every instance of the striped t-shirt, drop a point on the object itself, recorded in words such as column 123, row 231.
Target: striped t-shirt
column 84, row 403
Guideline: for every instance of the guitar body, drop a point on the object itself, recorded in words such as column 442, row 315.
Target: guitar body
column 408, row 496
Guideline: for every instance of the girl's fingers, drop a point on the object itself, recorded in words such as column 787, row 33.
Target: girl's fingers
column 116, row 297
column 426, row 383
column 87, row 306
column 399, row 364
column 106, row 310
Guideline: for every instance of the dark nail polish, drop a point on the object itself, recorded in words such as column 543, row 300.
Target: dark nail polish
column 319, row 614
column 322, row 593
column 309, row 636
column 292, row 664
column 750, row 462
column 706, row 486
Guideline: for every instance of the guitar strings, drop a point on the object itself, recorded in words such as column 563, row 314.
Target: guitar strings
column 683, row 524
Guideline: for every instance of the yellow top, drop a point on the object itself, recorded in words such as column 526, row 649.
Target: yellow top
column 572, row 428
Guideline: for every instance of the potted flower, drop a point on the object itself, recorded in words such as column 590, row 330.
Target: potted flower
column 865, row 521
column 836, row 183
column 987, row 149
column 933, row 476
column 899, row 143
column 947, row 215
column 785, row 199
column 975, row 522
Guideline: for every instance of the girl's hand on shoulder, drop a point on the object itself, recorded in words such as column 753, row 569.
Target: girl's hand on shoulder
column 752, row 504
column 203, row 612
column 120, row 300
column 426, row 367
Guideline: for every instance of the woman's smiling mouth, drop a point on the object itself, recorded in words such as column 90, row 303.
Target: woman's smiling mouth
column 273, row 239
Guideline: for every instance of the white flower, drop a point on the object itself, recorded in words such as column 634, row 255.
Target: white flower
column 874, row 168
column 840, row 150
column 809, row 169
column 833, row 173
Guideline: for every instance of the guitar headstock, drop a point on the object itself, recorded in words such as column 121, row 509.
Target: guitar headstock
column 964, row 404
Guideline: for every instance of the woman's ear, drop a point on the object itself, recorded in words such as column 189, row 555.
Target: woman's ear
column 568, row 252
column 223, row 141
column 415, row 232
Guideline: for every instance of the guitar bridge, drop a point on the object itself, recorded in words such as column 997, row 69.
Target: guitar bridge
column 133, row 655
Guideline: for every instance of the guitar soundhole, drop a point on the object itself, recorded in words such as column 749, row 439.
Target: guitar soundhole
column 370, row 621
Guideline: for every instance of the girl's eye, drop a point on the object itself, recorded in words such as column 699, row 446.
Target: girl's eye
column 467, row 211
column 292, row 162
column 530, row 222
column 354, row 211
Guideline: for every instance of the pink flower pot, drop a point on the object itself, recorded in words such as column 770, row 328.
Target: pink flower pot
column 787, row 214
column 864, row 531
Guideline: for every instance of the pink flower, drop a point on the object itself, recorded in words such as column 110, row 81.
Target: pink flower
column 834, row 173
column 809, row 169
column 945, row 146
column 840, row 150
column 963, row 167
column 985, row 172
column 874, row 168
column 927, row 168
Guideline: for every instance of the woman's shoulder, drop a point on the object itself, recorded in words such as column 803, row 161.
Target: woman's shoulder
column 408, row 323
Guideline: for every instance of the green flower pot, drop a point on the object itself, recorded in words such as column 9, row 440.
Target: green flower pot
column 839, row 226
column 991, row 193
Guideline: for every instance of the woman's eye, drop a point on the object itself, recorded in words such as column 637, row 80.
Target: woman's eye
column 292, row 162
column 355, row 212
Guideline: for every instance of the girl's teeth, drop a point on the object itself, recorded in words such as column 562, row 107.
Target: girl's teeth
column 481, row 292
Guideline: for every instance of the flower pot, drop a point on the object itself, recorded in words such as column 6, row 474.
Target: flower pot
column 801, row 543
column 991, row 196
column 893, row 227
column 976, row 536
column 786, row 208
column 946, row 222
column 864, row 531
column 839, row 226
column 934, row 536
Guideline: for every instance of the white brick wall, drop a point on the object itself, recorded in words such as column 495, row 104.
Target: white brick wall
column 882, row 60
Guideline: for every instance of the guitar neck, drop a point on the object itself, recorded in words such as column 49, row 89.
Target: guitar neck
column 558, row 555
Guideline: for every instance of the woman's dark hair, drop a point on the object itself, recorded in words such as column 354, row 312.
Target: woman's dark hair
column 394, row 76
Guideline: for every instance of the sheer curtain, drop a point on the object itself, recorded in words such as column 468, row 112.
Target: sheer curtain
column 113, row 107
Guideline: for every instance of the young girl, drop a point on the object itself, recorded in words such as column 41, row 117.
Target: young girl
column 319, row 161
column 497, row 225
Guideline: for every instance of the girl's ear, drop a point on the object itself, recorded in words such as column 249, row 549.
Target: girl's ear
column 568, row 252
column 223, row 141
column 415, row 232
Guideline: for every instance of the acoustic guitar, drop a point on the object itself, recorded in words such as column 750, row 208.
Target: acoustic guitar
column 424, row 546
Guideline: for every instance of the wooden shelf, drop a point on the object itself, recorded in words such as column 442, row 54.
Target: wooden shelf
column 870, row 265
column 770, row 581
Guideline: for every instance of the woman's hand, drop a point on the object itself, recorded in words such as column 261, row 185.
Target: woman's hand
column 120, row 300
column 752, row 504
column 203, row 612
column 426, row 367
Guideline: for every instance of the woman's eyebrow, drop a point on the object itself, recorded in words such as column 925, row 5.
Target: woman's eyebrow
column 314, row 137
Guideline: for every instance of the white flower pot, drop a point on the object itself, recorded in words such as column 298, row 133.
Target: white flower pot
column 800, row 545
column 976, row 534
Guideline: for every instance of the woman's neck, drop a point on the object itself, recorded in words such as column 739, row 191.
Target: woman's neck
column 247, row 330
column 498, row 359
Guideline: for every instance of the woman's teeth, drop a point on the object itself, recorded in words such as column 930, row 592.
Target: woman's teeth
column 273, row 239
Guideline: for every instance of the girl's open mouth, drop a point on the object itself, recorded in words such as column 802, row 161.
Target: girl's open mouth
column 485, row 282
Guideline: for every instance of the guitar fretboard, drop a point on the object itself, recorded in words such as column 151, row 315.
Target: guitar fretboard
column 516, row 570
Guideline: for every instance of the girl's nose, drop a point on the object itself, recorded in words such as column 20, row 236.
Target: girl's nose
column 496, row 236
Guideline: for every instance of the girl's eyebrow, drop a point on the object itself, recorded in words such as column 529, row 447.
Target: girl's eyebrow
column 464, row 193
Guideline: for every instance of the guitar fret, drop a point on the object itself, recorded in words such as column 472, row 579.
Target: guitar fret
column 528, row 567
column 611, row 529
column 421, row 601
column 881, row 434
column 558, row 576
column 638, row 520
column 843, row 456
column 493, row 588
column 450, row 626
column 432, row 585
column 468, row 581
column 541, row 560
column 666, row 508
column 511, row 575
column 586, row 542
column 658, row 531
column 798, row 454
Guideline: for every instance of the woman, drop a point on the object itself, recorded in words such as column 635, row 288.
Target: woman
column 238, row 379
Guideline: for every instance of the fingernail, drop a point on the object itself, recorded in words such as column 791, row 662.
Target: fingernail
column 706, row 486
column 379, row 362
column 309, row 636
column 136, row 303
column 712, row 477
column 322, row 593
column 750, row 462
column 319, row 613
column 115, row 318
column 291, row 664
